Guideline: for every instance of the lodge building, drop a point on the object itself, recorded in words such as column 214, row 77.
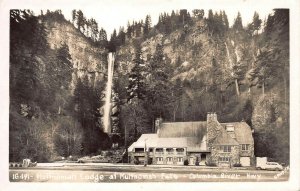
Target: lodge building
column 198, row 143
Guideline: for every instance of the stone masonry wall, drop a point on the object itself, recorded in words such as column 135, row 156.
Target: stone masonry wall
column 216, row 153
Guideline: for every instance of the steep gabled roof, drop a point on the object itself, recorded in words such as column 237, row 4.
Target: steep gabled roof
column 242, row 132
column 183, row 129
column 196, row 145
column 224, row 139
column 152, row 140
column 192, row 135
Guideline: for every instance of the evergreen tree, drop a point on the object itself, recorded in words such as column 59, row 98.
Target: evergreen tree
column 158, row 87
column 237, row 25
column 74, row 16
column 147, row 25
column 64, row 66
column 129, row 30
column 102, row 35
column 113, row 43
column 136, row 86
column 80, row 21
column 121, row 36
column 210, row 21
column 225, row 21
column 255, row 24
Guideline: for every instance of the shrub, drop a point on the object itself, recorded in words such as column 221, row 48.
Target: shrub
column 136, row 161
column 210, row 164
column 237, row 165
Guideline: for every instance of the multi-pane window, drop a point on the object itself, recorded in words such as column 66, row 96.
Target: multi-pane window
column 139, row 150
column 225, row 148
column 169, row 159
column 180, row 151
column 224, row 159
column 179, row 159
column 159, row 159
column 170, row 150
column 245, row 147
column 159, row 150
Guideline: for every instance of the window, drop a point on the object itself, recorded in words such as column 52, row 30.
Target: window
column 224, row 159
column 245, row 147
column 225, row 148
column 170, row 150
column 159, row 150
column 139, row 150
column 159, row 159
column 150, row 150
column 180, row 150
column 169, row 159
column 179, row 159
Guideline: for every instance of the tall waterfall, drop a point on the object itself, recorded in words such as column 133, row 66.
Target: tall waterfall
column 108, row 93
column 228, row 56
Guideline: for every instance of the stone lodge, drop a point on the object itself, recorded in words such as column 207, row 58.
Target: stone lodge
column 197, row 143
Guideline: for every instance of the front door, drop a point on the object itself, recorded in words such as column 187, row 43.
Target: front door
column 150, row 159
column 203, row 159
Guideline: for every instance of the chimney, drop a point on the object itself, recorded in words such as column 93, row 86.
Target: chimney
column 211, row 116
column 158, row 123
column 213, row 127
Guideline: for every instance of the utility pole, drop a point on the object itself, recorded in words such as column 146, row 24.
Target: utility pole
column 146, row 154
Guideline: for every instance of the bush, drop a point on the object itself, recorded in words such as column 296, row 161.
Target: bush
column 210, row 164
column 136, row 161
column 237, row 165
column 185, row 162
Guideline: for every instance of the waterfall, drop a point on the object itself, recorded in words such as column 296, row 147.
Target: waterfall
column 237, row 55
column 231, row 66
column 228, row 55
column 107, row 106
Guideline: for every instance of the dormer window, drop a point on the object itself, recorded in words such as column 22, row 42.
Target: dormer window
column 229, row 128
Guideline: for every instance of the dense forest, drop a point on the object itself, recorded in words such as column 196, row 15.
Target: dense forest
column 178, row 69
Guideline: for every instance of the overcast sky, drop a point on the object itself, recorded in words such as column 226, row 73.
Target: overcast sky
column 113, row 14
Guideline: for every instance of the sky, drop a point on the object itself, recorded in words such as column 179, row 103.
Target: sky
column 111, row 15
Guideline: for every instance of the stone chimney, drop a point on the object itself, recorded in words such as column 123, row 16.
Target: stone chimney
column 158, row 123
column 213, row 127
column 211, row 116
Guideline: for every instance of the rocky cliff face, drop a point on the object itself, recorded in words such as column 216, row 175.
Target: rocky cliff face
column 88, row 60
column 191, row 51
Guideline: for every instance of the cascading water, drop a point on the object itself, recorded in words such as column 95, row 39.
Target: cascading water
column 228, row 56
column 108, row 93
column 231, row 64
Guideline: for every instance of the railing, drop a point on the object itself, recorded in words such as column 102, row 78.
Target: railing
column 139, row 154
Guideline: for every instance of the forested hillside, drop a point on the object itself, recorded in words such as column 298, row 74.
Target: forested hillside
column 179, row 69
column 188, row 65
column 57, row 76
